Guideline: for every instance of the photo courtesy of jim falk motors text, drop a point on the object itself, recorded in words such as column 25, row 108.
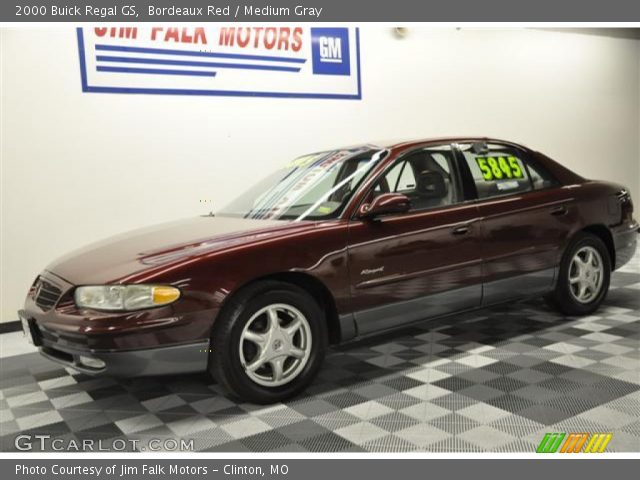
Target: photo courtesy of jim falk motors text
column 131, row 471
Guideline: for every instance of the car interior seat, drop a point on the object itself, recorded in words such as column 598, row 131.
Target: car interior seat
column 431, row 190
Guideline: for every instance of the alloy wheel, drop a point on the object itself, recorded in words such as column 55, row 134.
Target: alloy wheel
column 586, row 274
column 275, row 345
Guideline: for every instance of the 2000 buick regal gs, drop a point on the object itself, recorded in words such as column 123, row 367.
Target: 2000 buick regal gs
column 334, row 246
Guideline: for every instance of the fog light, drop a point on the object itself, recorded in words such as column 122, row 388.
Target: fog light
column 91, row 362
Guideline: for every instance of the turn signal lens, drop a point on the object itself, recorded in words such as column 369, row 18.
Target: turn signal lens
column 164, row 295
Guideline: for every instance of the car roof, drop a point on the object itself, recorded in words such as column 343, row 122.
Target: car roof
column 408, row 143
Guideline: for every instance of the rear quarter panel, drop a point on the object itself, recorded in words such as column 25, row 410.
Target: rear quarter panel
column 592, row 198
column 598, row 207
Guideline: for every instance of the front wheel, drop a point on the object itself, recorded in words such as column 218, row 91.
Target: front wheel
column 269, row 343
column 583, row 280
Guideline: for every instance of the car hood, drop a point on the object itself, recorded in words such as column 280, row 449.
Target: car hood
column 120, row 258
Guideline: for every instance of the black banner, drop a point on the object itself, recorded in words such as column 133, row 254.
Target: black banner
column 315, row 469
column 319, row 11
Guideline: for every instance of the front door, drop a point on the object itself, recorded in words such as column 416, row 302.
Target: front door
column 423, row 263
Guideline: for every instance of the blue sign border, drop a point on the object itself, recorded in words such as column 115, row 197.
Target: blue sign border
column 218, row 93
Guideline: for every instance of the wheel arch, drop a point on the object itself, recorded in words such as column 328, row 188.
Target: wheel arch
column 604, row 234
column 312, row 285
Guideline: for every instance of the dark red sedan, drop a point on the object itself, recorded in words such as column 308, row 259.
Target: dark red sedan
column 334, row 246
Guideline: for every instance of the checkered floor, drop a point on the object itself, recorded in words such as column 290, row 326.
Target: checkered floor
column 495, row 380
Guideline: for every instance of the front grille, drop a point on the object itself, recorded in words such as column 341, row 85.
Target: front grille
column 46, row 294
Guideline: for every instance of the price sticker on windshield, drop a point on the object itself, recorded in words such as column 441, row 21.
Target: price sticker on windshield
column 499, row 168
column 302, row 161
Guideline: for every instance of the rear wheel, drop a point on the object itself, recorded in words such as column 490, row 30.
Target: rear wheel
column 584, row 276
column 269, row 343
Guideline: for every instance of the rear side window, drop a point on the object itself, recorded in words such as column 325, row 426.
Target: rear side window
column 540, row 178
column 497, row 170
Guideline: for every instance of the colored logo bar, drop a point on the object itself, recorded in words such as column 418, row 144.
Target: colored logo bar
column 584, row 442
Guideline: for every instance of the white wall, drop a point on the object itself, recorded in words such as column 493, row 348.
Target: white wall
column 77, row 167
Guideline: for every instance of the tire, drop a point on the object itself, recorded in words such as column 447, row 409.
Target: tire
column 566, row 296
column 256, row 325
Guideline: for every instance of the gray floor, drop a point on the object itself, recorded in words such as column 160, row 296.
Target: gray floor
column 495, row 380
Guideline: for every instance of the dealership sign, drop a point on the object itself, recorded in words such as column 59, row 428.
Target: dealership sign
column 302, row 62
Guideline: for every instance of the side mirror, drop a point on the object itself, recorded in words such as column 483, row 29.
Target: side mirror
column 385, row 204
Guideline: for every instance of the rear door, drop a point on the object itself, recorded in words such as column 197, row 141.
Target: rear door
column 422, row 263
column 526, row 219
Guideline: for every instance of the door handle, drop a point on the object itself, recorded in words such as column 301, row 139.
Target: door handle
column 461, row 230
column 559, row 211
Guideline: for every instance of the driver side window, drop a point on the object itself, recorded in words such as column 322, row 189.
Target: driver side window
column 400, row 178
column 425, row 176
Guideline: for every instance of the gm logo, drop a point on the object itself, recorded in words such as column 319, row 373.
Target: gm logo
column 330, row 51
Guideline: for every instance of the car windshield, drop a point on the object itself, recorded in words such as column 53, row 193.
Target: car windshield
column 311, row 187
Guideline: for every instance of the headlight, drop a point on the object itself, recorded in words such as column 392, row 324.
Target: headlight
column 125, row 297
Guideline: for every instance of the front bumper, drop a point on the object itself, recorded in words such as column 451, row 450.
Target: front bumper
column 164, row 360
column 165, row 340
column 133, row 363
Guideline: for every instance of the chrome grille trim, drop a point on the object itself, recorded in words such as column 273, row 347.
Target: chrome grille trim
column 46, row 294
